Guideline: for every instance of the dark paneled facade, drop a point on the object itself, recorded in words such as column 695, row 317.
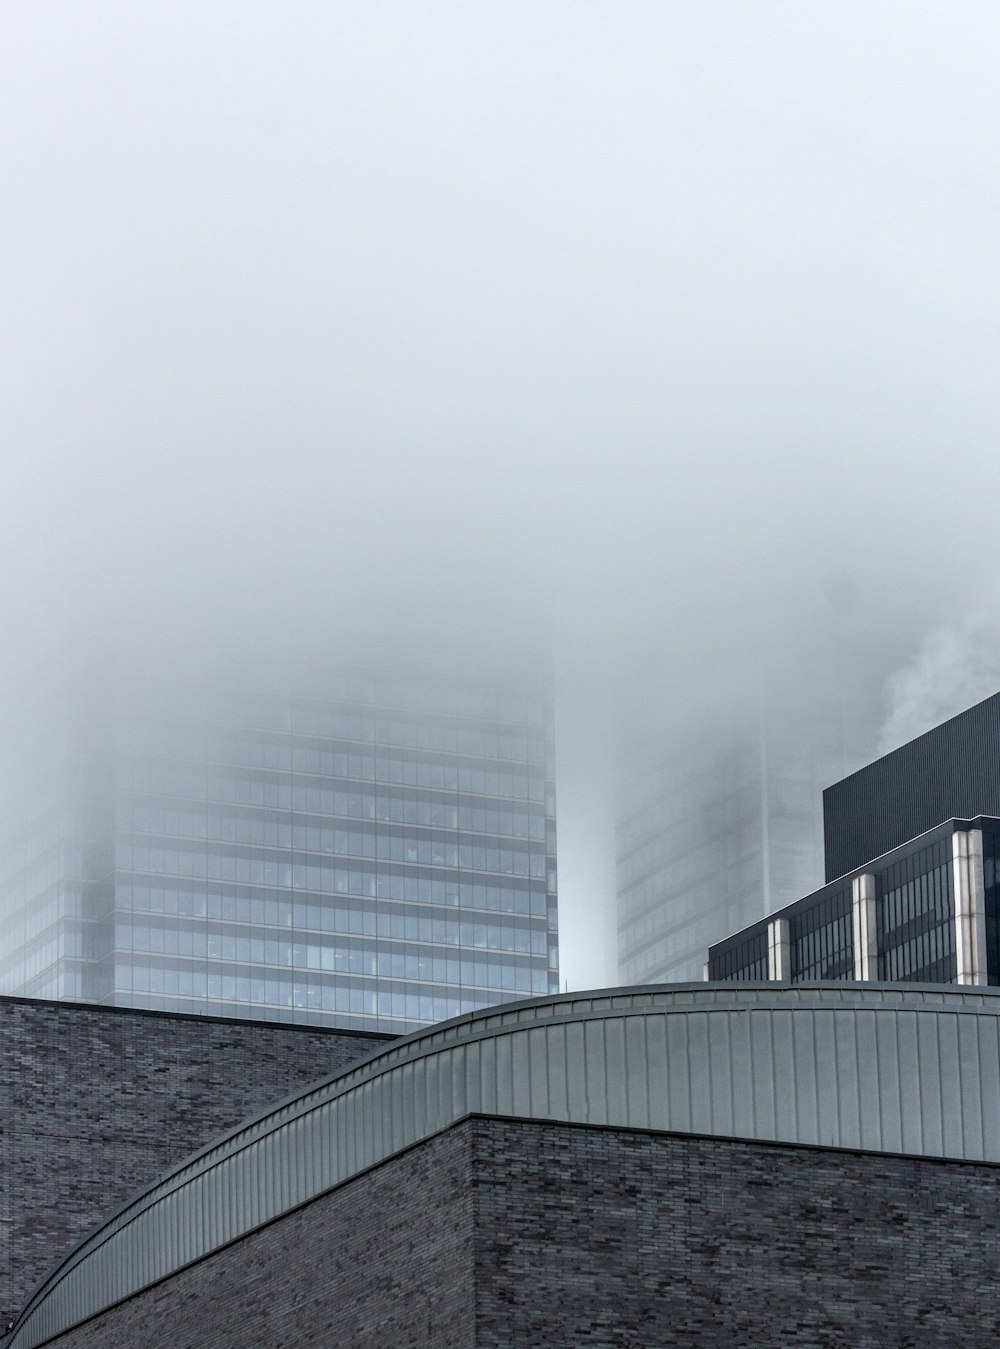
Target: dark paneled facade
column 745, row 957
column 821, row 939
column 915, row 916
column 991, row 880
column 952, row 771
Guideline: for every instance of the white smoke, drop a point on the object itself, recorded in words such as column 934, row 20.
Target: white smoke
column 957, row 665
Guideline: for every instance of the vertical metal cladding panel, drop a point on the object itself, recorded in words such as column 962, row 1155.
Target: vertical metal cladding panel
column 637, row 1070
column 326, row 1145
column 969, row 1091
column 908, row 1071
column 298, row 1152
column 719, row 1087
column 211, row 1204
column 186, row 1229
column 595, row 1069
column 953, row 1107
column 456, row 1069
column 828, row 1099
column 546, row 1052
column 375, row 1124
column 68, row 1301
column 286, row 1163
column 806, row 1091
column 363, row 1117
column 270, row 1158
column 196, row 1216
column 719, row 1078
column 316, row 1158
column 783, row 1061
column 869, row 1101
column 577, row 1099
column 427, row 1113
column 989, row 1078
column 739, row 1068
column 616, row 1087
column 228, row 1177
column 488, row 1076
column 349, row 1142
column 384, row 1118
column 847, row 1086
column 505, row 1074
column 411, row 1077
column 156, row 1222
column 362, row 1121
column 178, row 1220
column 679, row 1110
column 656, row 1068
column 107, row 1285
column 200, row 1189
column 474, row 1076
column 393, row 1112
column 930, row 1083
column 539, row 1095
column 762, row 1071
column 887, row 1083
column 329, row 1124
column 407, row 1111
column 520, row 1079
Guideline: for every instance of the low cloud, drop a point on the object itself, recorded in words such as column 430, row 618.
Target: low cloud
column 956, row 666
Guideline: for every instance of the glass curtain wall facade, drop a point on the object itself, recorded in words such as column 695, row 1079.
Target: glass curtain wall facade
column 55, row 850
column 722, row 827
column 914, row 919
column 41, row 884
column 380, row 854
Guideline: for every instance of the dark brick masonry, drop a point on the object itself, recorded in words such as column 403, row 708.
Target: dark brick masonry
column 97, row 1102
column 503, row 1234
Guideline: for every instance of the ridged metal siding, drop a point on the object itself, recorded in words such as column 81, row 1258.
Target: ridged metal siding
column 952, row 771
column 877, row 1068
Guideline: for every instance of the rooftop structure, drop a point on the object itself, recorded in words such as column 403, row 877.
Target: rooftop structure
column 952, row 771
column 927, row 912
column 921, row 905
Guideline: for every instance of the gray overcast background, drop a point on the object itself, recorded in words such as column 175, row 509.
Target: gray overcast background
column 667, row 333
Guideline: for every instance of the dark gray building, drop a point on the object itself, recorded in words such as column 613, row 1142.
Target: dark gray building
column 369, row 850
column 707, row 1166
column 918, row 898
column 927, row 912
column 951, row 771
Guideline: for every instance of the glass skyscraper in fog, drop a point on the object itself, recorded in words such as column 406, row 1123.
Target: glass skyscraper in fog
column 724, row 824
column 376, row 851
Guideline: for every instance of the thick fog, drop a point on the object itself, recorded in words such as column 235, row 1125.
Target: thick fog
column 661, row 337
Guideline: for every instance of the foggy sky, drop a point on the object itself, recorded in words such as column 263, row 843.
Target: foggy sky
column 663, row 334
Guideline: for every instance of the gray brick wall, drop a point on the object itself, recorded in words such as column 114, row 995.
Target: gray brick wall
column 604, row 1237
column 385, row 1262
column 500, row 1234
column 95, row 1103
